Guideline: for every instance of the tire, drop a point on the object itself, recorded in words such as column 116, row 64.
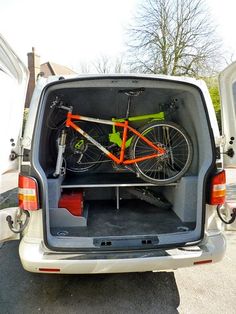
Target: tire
column 80, row 155
column 171, row 166
column 149, row 197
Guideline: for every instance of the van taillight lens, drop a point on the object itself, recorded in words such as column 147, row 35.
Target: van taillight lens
column 218, row 189
column 28, row 193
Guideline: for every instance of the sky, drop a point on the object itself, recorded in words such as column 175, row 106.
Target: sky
column 223, row 15
column 66, row 32
column 75, row 32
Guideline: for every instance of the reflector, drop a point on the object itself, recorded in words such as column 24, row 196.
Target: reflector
column 203, row 262
column 50, row 269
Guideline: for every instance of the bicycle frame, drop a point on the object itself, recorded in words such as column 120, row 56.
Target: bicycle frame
column 114, row 136
column 125, row 125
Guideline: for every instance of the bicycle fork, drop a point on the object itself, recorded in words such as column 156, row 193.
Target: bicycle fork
column 168, row 144
column 61, row 149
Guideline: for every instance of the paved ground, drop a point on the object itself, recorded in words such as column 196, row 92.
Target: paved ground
column 8, row 181
column 201, row 289
column 8, row 191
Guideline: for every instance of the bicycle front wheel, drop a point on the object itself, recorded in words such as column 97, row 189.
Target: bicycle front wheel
column 169, row 167
column 81, row 155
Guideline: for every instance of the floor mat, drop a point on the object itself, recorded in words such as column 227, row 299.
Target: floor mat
column 134, row 217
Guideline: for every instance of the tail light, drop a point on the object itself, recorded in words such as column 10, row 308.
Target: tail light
column 218, row 189
column 28, row 193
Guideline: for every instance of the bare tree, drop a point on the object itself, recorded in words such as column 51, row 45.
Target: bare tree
column 102, row 64
column 119, row 66
column 106, row 64
column 174, row 37
column 84, row 67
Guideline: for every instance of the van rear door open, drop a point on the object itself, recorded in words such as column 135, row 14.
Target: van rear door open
column 13, row 82
column 227, row 81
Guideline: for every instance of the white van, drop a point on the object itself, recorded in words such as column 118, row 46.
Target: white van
column 82, row 210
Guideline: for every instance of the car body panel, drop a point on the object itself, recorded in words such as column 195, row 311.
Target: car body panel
column 13, row 81
column 227, row 80
column 35, row 258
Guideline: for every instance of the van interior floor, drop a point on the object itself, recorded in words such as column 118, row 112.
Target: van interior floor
column 135, row 217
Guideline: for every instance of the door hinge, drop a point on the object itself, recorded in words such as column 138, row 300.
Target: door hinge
column 14, row 155
column 230, row 152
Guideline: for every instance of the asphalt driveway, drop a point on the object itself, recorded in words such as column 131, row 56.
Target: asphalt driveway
column 201, row 289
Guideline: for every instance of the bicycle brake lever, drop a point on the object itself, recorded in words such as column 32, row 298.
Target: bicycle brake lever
column 59, row 104
column 56, row 102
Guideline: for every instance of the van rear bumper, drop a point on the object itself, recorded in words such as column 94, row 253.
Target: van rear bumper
column 35, row 258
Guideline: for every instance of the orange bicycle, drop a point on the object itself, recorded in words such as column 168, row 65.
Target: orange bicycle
column 160, row 152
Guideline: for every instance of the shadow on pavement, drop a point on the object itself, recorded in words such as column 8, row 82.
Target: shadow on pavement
column 9, row 199
column 25, row 292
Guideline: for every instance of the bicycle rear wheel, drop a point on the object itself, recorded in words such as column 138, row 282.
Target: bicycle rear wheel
column 81, row 155
column 169, row 167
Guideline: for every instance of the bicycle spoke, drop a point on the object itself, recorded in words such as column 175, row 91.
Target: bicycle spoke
column 170, row 165
column 80, row 154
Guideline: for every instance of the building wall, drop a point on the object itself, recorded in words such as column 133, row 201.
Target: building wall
column 46, row 69
column 34, row 70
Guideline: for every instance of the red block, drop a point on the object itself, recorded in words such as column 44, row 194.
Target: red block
column 73, row 201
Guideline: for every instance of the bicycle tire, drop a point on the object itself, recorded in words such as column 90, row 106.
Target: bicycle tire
column 171, row 166
column 81, row 155
column 149, row 197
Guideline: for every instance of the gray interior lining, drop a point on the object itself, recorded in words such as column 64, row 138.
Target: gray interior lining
column 134, row 217
column 108, row 103
column 96, row 97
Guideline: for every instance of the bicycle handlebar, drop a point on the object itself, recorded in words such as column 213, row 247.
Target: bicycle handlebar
column 60, row 104
column 66, row 108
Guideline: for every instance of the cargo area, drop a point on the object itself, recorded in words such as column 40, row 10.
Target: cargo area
column 110, row 206
column 116, row 211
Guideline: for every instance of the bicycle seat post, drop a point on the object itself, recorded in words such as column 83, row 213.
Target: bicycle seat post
column 131, row 93
column 128, row 107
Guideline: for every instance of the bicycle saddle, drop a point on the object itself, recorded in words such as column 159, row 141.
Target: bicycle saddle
column 132, row 92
